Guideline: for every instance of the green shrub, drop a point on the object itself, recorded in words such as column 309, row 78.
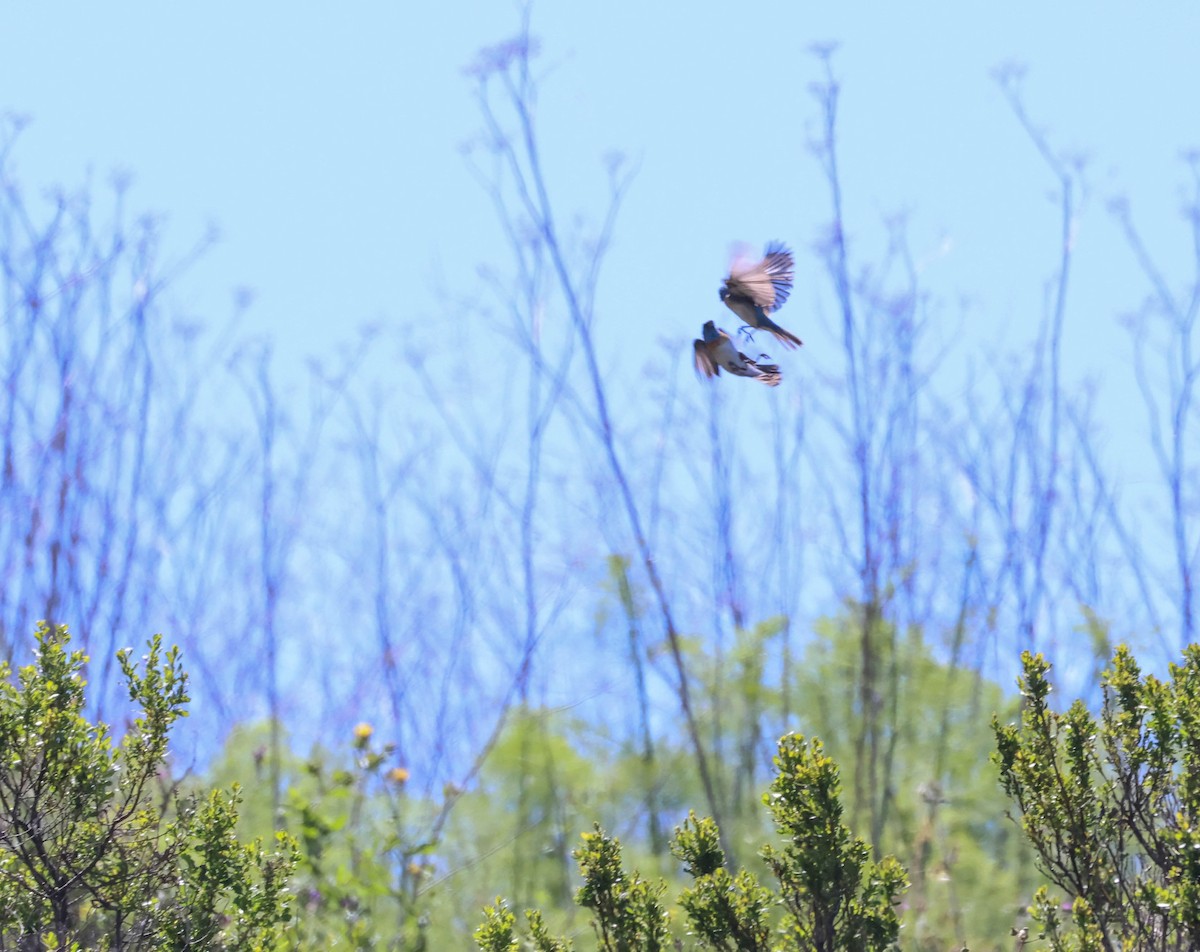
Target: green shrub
column 96, row 851
column 1112, row 806
column 828, row 895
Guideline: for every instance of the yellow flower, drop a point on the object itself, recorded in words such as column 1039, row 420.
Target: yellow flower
column 398, row 774
column 362, row 733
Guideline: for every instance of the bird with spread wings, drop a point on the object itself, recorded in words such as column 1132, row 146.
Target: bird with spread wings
column 754, row 290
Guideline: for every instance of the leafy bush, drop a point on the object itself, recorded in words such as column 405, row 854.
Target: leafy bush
column 1112, row 806
column 95, row 850
column 828, row 894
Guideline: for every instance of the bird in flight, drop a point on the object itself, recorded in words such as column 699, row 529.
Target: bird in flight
column 716, row 352
column 754, row 290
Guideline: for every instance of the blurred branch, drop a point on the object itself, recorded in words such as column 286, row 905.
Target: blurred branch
column 1170, row 423
column 508, row 65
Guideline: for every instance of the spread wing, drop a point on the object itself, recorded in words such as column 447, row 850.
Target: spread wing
column 704, row 361
column 766, row 283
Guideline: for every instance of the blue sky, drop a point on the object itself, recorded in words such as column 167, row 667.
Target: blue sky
column 325, row 144
column 327, row 147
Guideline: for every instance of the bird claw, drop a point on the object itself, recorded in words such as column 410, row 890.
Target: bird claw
column 744, row 331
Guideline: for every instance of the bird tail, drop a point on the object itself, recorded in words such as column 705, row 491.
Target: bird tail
column 768, row 374
column 787, row 338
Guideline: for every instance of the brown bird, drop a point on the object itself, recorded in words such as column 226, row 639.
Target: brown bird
column 716, row 352
column 753, row 291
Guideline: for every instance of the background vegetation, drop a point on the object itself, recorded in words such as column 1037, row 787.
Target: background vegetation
column 437, row 625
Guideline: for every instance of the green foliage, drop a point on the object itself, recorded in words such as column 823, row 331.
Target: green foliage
column 1112, row 806
column 726, row 911
column 383, row 867
column 89, row 856
column 836, row 897
column 362, row 865
column 628, row 912
column 518, row 824
column 735, row 701
column 830, row 895
column 943, row 816
column 228, row 895
column 548, row 776
column 920, row 785
column 498, row 932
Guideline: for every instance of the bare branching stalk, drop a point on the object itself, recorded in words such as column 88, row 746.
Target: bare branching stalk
column 508, row 67
column 877, row 426
column 1164, row 329
column 286, row 455
column 94, row 436
column 1043, row 453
